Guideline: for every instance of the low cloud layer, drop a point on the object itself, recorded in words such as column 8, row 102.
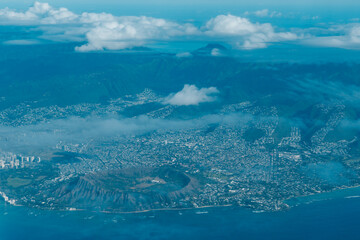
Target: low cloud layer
column 46, row 135
column 346, row 36
column 320, row 90
column 105, row 31
column 191, row 95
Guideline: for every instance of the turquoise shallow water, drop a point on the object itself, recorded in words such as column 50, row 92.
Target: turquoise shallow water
column 337, row 218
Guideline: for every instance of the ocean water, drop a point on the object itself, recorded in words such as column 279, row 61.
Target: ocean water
column 337, row 218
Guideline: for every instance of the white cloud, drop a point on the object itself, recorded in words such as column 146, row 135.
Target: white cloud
column 96, row 17
column 100, row 30
column 349, row 39
column 275, row 14
column 183, row 55
column 128, row 32
column 215, row 52
column 40, row 13
column 264, row 13
column 191, row 95
column 245, row 34
column 105, row 31
column 21, row 42
column 235, row 26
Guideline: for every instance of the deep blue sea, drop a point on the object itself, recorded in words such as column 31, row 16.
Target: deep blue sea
column 333, row 216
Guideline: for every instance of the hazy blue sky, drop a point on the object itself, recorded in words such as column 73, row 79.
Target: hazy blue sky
column 201, row 9
column 176, row 9
column 218, row 2
column 203, row 3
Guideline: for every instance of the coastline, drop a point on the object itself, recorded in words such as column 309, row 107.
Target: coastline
column 345, row 192
column 167, row 209
column 219, row 223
